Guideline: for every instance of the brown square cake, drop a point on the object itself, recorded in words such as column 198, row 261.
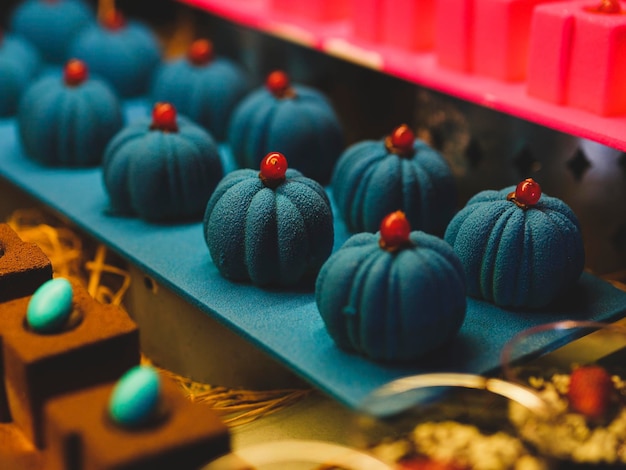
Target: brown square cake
column 23, row 266
column 16, row 451
column 98, row 349
column 80, row 435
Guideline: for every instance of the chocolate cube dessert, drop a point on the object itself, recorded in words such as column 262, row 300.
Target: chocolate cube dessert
column 80, row 434
column 97, row 345
column 16, row 451
column 23, row 266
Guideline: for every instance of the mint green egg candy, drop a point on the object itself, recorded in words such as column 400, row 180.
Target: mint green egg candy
column 50, row 306
column 135, row 397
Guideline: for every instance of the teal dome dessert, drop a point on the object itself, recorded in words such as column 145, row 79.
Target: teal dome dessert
column 19, row 65
column 68, row 120
column 203, row 87
column 123, row 53
column 519, row 247
column 51, row 25
column 271, row 228
column 162, row 169
column 376, row 177
column 292, row 119
column 392, row 296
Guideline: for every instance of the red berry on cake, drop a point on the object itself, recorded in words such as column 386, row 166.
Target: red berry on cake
column 164, row 118
column 200, row 52
column 590, row 391
column 75, row 72
column 113, row 20
column 401, row 141
column 278, row 84
column 395, row 231
column 526, row 194
column 273, row 169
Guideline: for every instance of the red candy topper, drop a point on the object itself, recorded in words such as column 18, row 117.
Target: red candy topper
column 401, row 141
column 273, row 169
column 75, row 72
column 164, row 118
column 200, row 52
column 279, row 85
column 526, row 194
column 394, row 232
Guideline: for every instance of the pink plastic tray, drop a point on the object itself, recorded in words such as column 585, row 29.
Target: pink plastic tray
column 336, row 38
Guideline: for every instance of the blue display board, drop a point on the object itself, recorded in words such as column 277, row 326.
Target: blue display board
column 285, row 324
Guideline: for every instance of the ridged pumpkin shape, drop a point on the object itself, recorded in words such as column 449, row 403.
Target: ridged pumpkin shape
column 207, row 93
column 276, row 237
column 19, row 65
column 515, row 257
column 370, row 182
column 161, row 176
column 392, row 306
column 51, row 26
column 126, row 58
column 304, row 127
column 68, row 126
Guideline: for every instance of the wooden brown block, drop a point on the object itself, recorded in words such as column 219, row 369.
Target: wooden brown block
column 80, row 436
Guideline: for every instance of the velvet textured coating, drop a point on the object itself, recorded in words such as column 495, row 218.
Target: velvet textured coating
column 276, row 237
column 516, row 257
column 68, row 126
column 304, row 127
column 206, row 93
column 51, row 26
column 19, row 65
column 161, row 176
column 126, row 58
column 392, row 306
column 370, row 182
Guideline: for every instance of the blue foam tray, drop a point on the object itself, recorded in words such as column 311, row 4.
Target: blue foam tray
column 285, row 324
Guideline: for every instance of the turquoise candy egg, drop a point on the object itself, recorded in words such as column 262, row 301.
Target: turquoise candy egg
column 373, row 178
column 68, row 126
column 50, row 306
column 269, row 236
column 135, row 398
column 300, row 123
column 207, row 92
column 514, row 256
column 125, row 58
column 19, row 65
column 392, row 305
column 161, row 176
column 51, row 26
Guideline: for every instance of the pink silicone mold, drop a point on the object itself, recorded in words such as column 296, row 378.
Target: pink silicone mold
column 409, row 24
column 578, row 57
column 486, row 37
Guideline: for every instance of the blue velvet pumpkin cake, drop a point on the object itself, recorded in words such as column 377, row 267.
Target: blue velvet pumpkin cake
column 519, row 247
column 123, row 53
column 273, row 228
column 19, row 65
column 51, row 26
column 68, row 121
column 376, row 177
column 203, row 87
column 162, row 169
column 295, row 120
column 392, row 296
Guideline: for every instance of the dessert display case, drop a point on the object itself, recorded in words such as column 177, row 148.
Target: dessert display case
column 491, row 131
